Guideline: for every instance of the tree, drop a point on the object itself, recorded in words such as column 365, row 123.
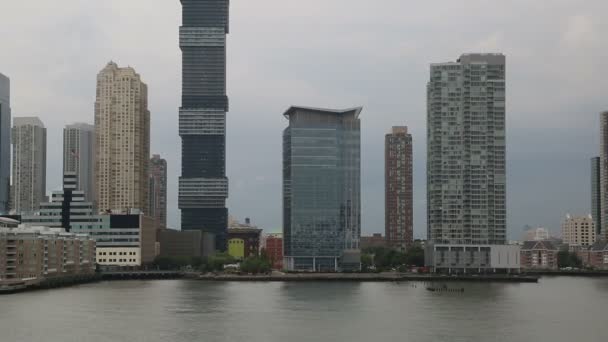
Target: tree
column 568, row 259
column 255, row 265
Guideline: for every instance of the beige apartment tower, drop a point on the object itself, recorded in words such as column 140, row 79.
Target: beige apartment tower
column 578, row 231
column 122, row 140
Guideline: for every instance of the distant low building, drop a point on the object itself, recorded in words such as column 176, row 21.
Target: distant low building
column 31, row 255
column 374, row 241
column 595, row 256
column 536, row 234
column 243, row 239
column 539, row 255
column 180, row 243
column 460, row 259
column 273, row 245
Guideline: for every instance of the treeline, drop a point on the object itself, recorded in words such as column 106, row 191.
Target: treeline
column 381, row 259
column 214, row 263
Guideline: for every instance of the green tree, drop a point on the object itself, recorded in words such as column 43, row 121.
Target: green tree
column 256, row 265
column 568, row 259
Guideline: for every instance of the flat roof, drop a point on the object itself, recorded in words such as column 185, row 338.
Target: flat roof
column 292, row 109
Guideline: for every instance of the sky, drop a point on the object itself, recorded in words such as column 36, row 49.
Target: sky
column 334, row 54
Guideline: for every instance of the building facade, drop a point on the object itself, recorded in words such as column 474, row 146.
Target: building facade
column 596, row 256
column 461, row 259
column 179, row 243
column 29, row 165
column 5, row 143
column 374, row 241
column 31, row 255
column 604, row 174
column 321, row 189
column 398, row 189
column 578, row 231
column 122, row 145
column 536, row 234
column 272, row 244
column 203, row 186
column 157, row 190
column 78, row 157
column 466, row 174
column 244, row 242
column 537, row 255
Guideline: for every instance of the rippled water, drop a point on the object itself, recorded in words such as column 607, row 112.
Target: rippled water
column 556, row 309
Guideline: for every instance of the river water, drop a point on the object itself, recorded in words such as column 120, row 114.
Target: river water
column 556, row 309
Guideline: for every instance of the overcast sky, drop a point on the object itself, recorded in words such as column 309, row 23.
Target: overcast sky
column 337, row 54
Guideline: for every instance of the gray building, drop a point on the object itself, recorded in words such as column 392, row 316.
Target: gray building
column 596, row 196
column 321, row 189
column 157, row 190
column 5, row 143
column 78, row 156
column 466, row 176
column 29, row 164
column 604, row 173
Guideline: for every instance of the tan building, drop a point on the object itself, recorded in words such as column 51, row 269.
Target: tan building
column 122, row 131
column 31, row 255
column 578, row 231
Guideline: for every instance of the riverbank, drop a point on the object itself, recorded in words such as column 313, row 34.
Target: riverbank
column 367, row 277
column 50, row 283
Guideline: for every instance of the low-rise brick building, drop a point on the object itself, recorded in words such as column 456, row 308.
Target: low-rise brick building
column 535, row 255
column 595, row 256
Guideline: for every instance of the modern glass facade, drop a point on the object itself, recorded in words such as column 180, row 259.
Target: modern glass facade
column 5, row 143
column 321, row 189
column 203, row 187
column 466, row 174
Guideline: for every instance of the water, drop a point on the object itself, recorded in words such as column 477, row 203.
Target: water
column 556, row 309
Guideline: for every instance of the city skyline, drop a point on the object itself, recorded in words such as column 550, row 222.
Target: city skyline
column 561, row 166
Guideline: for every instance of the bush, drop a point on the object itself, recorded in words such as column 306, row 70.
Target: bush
column 256, row 265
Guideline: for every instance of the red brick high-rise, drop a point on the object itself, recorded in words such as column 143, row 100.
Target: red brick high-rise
column 398, row 189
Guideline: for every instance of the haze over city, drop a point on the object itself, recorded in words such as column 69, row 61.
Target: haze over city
column 334, row 54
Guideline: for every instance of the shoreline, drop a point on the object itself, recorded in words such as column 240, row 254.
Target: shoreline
column 367, row 277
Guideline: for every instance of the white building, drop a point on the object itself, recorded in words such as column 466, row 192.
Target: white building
column 29, row 165
column 462, row 259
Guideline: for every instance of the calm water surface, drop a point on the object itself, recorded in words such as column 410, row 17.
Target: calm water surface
column 556, row 309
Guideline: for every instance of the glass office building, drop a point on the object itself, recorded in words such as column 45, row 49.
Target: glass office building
column 321, row 189
column 203, row 186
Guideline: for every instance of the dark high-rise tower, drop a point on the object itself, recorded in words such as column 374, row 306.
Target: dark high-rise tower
column 203, row 186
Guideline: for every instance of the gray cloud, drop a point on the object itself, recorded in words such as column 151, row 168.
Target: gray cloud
column 337, row 53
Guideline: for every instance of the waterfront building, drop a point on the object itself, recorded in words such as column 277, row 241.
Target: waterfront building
column 596, row 256
column 157, row 190
column 243, row 240
column 321, row 189
column 78, row 157
column 5, row 143
column 122, row 146
column 604, row 174
column 398, row 189
column 180, row 243
column 272, row 244
column 374, row 241
column 29, row 164
column 578, row 231
column 466, row 170
column 31, row 255
column 539, row 254
column 203, row 186
column 461, row 259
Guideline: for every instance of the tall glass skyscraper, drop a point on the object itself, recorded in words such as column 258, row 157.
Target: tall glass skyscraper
column 321, row 189
column 466, row 174
column 5, row 143
column 203, row 186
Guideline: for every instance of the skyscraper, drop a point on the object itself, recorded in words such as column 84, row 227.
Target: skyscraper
column 5, row 143
column 29, row 165
column 203, row 186
column 398, row 189
column 321, row 189
column 604, row 173
column 78, row 157
column 157, row 190
column 122, row 146
column 466, row 176
column 596, row 208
